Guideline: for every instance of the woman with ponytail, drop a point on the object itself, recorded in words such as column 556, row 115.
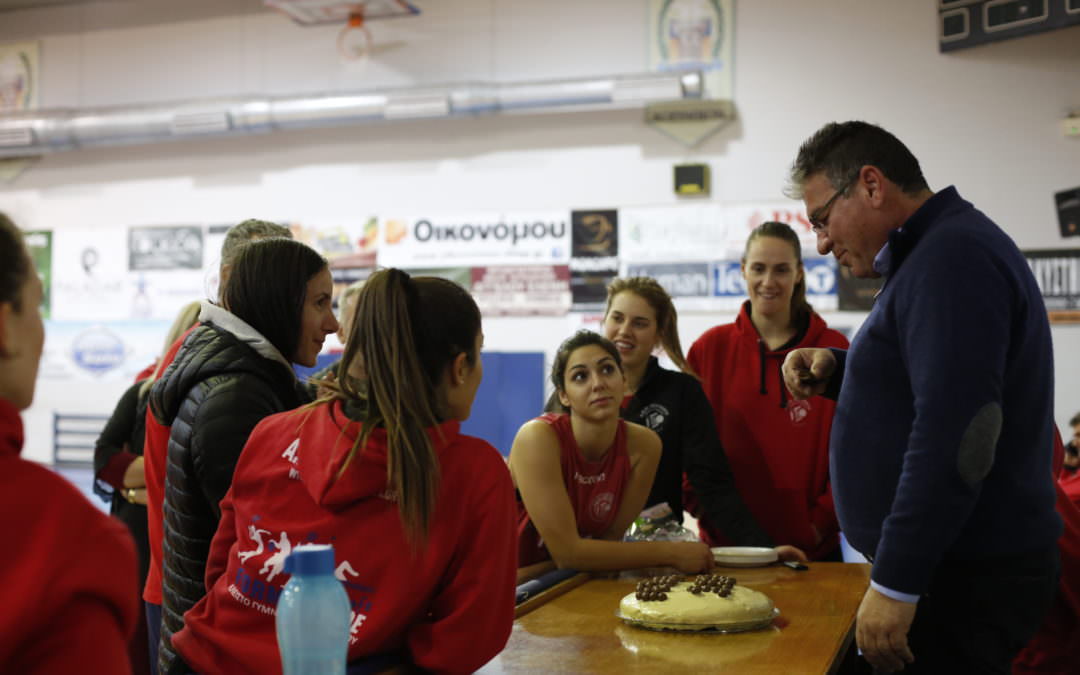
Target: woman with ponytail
column 421, row 517
column 640, row 317
column 778, row 447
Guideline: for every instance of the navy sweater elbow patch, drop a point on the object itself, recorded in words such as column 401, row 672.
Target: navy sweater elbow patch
column 976, row 453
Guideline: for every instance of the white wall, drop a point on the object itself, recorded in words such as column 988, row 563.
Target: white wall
column 986, row 120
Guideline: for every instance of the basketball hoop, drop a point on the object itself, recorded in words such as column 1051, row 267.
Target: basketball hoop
column 313, row 12
column 354, row 40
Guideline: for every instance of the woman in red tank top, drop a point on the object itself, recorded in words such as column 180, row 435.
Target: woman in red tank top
column 583, row 476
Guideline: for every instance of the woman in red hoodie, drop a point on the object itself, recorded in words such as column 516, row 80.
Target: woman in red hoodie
column 778, row 447
column 68, row 570
column 421, row 517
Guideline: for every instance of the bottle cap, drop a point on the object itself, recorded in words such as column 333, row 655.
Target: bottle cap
column 311, row 559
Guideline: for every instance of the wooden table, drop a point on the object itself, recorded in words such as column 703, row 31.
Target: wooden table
column 576, row 631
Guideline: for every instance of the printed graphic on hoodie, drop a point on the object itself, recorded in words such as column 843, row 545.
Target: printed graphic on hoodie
column 253, row 592
column 798, row 411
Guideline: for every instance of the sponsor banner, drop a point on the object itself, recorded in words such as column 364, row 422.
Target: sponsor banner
column 1057, row 271
column 701, row 231
column 92, row 280
column 742, row 219
column 821, row 287
column 672, row 233
column 165, row 248
column 595, row 234
column 728, row 280
column 522, row 290
column 351, row 244
column 532, row 237
column 680, row 280
column 94, row 351
column 94, row 284
column 588, row 283
column 729, row 286
column 39, row 244
column 161, row 295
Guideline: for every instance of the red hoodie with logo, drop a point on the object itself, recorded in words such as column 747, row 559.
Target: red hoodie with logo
column 155, row 452
column 778, row 447
column 449, row 605
column 68, row 572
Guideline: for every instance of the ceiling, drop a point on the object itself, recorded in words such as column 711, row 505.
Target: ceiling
column 8, row 5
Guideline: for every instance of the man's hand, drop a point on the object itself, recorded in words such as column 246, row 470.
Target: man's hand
column 881, row 629
column 807, row 371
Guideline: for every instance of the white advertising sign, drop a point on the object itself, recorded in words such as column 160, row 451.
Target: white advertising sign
column 672, row 233
column 541, row 237
column 743, row 218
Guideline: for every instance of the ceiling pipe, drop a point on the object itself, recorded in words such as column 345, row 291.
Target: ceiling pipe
column 57, row 130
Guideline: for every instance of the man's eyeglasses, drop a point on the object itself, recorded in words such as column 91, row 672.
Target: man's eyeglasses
column 819, row 220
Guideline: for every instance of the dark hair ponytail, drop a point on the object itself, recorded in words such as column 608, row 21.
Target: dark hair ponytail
column 407, row 331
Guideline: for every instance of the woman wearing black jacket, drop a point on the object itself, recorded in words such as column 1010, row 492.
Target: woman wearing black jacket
column 232, row 371
column 640, row 317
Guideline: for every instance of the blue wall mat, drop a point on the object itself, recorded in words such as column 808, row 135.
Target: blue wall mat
column 511, row 393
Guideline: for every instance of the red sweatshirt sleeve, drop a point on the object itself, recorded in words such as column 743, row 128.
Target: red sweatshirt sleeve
column 471, row 617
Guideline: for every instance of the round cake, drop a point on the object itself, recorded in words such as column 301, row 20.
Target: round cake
column 706, row 601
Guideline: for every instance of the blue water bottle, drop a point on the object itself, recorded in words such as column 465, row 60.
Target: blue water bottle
column 313, row 615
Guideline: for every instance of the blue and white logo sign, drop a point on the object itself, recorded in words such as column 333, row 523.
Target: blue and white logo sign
column 97, row 350
column 820, row 276
column 728, row 280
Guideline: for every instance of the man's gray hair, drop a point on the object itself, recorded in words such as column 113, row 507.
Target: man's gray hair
column 247, row 231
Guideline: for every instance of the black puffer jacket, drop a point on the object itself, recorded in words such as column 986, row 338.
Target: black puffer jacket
column 214, row 393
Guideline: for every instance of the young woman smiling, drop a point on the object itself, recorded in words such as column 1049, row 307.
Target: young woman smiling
column 583, row 476
column 640, row 317
column 778, row 448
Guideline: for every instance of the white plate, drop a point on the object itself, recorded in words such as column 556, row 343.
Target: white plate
column 743, row 556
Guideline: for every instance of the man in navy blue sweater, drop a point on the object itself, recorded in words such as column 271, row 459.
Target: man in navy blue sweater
column 942, row 442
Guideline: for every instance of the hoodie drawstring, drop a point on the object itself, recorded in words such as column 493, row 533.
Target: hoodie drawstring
column 762, row 389
column 761, row 360
column 783, row 387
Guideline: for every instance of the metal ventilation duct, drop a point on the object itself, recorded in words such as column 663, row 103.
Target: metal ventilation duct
column 45, row 131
